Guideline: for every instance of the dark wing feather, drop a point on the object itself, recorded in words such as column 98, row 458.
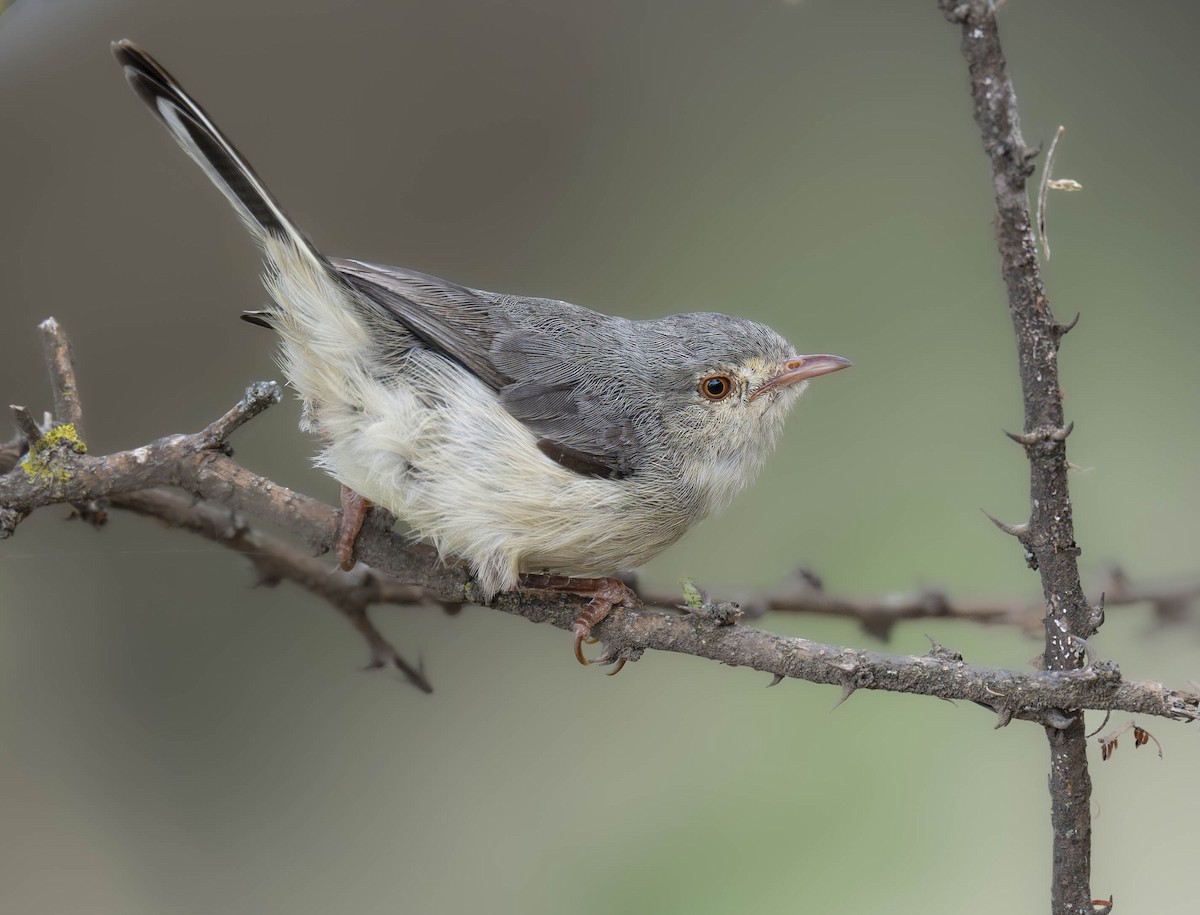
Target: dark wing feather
column 447, row 318
column 552, row 363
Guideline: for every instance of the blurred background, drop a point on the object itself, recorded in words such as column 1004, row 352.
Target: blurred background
column 177, row 742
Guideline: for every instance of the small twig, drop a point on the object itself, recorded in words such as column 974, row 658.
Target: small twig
column 1041, row 200
column 1103, row 725
column 60, row 362
column 1141, row 737
column 26, row 424
column 257, row 398
column 275, row 561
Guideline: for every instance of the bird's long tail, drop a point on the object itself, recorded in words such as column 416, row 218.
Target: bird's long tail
column 195, row 132
column 323, row 323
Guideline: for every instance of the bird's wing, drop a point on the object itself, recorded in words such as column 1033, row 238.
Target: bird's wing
column 551, row 363
column 447, row 318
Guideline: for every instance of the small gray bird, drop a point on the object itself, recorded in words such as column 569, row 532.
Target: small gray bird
column 533, row 438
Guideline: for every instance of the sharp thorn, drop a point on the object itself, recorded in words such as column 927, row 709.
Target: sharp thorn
column 1103, row 725
column 775, row 680
column 847, row 691
column 1016, row 530
column 1063, row 329
column 1062, row 434
column 1019, row 439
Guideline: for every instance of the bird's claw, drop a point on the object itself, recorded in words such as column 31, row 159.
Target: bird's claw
column 582, row 636
column 605, row 593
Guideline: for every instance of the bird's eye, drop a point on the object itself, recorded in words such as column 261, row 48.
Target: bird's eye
column 715, row 387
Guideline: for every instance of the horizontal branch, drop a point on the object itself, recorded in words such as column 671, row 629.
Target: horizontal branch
column 405, row 572
column 351, row 593
column 878, row 615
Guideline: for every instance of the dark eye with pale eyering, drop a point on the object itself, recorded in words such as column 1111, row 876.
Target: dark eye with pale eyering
column 715, row 387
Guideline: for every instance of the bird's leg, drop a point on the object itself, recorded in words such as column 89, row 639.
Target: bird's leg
column 605, row 593
column 354, row 510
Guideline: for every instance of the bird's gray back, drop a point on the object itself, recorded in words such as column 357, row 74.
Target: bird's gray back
column 595, row 389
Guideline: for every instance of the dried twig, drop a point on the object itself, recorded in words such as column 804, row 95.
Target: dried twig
column 1042, row 188
column 56, row 350
column 352, row 593
column 1141, row 737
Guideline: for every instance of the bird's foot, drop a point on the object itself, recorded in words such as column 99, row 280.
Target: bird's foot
column 354, row 511
column 605, row 593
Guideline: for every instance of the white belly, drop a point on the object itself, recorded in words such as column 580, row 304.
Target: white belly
column 440, row 452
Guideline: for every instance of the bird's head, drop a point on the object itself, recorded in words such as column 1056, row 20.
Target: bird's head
column 731, row 384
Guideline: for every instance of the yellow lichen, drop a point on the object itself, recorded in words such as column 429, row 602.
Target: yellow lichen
column 38, row 463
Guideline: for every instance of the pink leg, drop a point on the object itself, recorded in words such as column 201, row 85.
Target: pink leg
column 354, row 510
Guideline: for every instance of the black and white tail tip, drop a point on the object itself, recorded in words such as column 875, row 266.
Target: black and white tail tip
column 201, row 139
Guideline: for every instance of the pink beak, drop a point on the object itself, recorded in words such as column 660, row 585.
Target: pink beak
column 801, row 368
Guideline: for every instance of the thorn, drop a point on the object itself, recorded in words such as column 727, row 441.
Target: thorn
column 1041, row 434
column 1016, row 530
column 941, row 652
column 1004, row 715
column 775, row 680
column 1097, row 617
column 1061, row 330
column 808, row 578
column 1019, row 439
column 1060, row 435
column 1103, row 725
column 848, row 690
column 878, row 626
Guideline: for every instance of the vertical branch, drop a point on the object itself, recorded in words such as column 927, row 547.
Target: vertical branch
column 1048, row 538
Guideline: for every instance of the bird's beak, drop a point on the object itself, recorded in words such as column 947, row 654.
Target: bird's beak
column 801, row 368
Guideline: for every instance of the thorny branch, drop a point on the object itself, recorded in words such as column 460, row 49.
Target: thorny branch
column 274, row 560
column 201, row 465
column 48, row 464
column 1048, row 537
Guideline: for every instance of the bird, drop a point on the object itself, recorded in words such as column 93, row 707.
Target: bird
column 550, row 446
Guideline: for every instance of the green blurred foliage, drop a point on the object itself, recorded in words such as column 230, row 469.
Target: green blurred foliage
column 176, row 742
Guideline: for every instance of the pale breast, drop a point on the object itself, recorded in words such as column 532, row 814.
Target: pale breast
column 444, row 456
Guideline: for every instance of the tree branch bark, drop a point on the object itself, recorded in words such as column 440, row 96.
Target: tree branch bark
column 1048, row 537
column 201, row 464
